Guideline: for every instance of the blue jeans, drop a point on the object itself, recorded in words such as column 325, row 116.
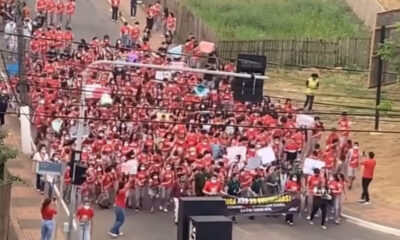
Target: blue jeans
column 47, row 229
column 119, row 220
column 84, row 231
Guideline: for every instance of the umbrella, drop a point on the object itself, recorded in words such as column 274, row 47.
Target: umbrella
column 201, row 90
column 132, row 57
column 206, row 47
column 175, row 52
column 12, row 69
column 56, row 124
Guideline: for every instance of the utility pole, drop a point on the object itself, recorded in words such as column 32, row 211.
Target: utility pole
column 23, row 86
column 379, row 79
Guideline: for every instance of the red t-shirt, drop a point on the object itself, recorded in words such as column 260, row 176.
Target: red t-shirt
column 84, row 214
column 168, row 179
column 335, row 186
column 292, row 186
column 212, row 187
column 369, row 167
column 48, row 213
column 120, row 199
column 312, row 182
column 245, row 179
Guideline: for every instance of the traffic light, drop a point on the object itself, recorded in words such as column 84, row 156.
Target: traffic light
column 77, row 171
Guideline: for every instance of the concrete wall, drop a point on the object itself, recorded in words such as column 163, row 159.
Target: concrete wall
column 366, row 10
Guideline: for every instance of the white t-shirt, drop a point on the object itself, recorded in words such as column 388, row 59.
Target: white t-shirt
column 37, row 157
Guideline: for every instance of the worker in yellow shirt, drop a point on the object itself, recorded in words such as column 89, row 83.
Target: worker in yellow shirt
column 312, row 85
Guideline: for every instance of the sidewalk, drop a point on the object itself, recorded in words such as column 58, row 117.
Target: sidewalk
column 25, row 201
column 377, row 212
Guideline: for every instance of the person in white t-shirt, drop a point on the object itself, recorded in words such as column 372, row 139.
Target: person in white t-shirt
column 40, row 156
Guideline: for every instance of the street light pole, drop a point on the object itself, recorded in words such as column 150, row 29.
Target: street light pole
column 81, row 122
column 23, row 87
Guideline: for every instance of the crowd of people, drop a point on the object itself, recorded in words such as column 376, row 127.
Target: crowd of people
column 178, row 138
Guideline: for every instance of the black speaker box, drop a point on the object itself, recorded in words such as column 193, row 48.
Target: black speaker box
column 197, row 206
column 210, row 228
column 249, row 90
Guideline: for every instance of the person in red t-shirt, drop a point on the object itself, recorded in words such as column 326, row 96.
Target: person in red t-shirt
column 51, row 9
column 125, row 34
column 115, row 10
column 119, row 209
column 135, row 34
column 140, row 186
column 336, row 189
column 246, row 179
column 293, row 188
column 70, row 10
column 167, row 184
column 48, row 211
column 60, row 8
column 353, row 159
column 85, row 215
column 154, row 189
column 312, row 181
column 212, row 187
column 368, row 174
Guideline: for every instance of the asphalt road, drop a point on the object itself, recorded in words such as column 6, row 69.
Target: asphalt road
column 160, row 226
column 93, row 19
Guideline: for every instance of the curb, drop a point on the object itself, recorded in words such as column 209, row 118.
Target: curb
column 372, row 226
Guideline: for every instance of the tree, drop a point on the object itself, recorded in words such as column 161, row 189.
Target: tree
column 6, row 153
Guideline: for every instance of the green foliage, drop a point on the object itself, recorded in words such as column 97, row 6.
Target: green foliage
column 6, row 152
column 386, row 50
column 278, row 19
column 385, row 106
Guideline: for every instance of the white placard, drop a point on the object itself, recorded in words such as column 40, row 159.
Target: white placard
column 266, row 154
column 160, row 75
column 129, row 167
column 310, row 164
column 253, row 163
column 304, row 120
column 234, row 151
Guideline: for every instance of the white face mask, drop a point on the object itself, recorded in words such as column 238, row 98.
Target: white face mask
column 355, row 147
column 168, row 168
column 213, row 180
column 43, row 151
column 86, row 206
column 294, row 179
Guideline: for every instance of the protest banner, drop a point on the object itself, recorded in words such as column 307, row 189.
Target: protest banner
column 272, row 205
column 310, row 164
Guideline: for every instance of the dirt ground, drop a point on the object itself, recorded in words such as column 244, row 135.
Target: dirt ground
column 390, row 4
column 352, row 88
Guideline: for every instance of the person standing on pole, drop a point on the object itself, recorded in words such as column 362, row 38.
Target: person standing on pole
column 312, row 84
column 85, row 215
column 119, row 209
column 115, row 10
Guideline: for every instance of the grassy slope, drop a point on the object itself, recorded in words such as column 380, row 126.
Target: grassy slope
column 279, row 19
